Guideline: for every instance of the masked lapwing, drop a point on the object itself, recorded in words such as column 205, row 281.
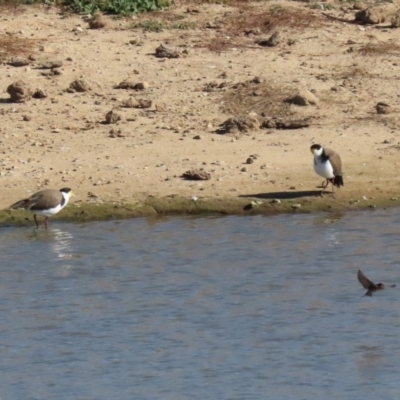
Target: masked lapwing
column 46, row 203
column 327, row 164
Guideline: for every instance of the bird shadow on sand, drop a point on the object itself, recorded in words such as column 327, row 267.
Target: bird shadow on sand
column 285, row 195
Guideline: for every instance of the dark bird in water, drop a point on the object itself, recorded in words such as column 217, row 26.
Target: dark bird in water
column 369, row 285
column 46, row 203
column 327, row 164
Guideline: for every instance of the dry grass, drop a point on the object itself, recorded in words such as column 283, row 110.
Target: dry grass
column 248, row 20
column 231, row 3
column 275, row 17
column 376, row 47
column 264, row 98
column 356, row 71
column 11, row 7
column 11, row 46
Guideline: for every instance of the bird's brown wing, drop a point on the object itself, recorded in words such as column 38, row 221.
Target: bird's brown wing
column 29, row 203
column 19, row 204
column 335, row 161
column 365, row 281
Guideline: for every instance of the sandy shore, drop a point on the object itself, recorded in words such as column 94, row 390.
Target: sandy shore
column 136, row 164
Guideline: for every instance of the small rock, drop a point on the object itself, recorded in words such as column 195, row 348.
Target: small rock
column 141, row 86
column 196, row 175
column 212, row 25
column 386, row 141
column 26, row 118
column 250, row 160
column 39, row 94
column 276, row 201
column 296, row 206
column 79, row 85
column 294, row 124
column 112, row 117
column 197, row 137
column 130, row 103
column 254, row 204
column 241, row 124
column 395, row 21
column 376, row 14
column 50, row 64
column 116, row 133
column 165, row 52
column 161, row 107
column 304, row 98
column 272, row 41
column 19, row 92
column 144, row 103
column 383, row 108
column 131, row 85
column 97, row 21
column 18, row 61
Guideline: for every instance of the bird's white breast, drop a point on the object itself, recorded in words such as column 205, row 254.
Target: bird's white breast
column 50, row 212
column 323, row 169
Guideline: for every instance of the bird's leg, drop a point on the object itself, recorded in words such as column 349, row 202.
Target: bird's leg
column 324, row 187
column 36, row 221
column 333, row 190
column 46, row 225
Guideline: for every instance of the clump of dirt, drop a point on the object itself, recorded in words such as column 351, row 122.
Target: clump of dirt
column 196, row 175
column 238, row 28
column 97, row 21
column 13, row 46
column 275, row 17
column 261, row 97
column 19, row 92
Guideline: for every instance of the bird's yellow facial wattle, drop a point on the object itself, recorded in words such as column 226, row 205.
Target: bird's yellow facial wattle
column 72, row 194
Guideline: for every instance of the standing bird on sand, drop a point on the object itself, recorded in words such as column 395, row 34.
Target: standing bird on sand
column 369, row 285
column 47, row 202
column 327, row 164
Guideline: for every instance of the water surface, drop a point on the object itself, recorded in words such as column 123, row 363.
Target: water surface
column 208, row 308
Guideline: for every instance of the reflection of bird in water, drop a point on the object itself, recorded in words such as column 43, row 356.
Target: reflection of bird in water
column 327, row 164
column 62, row 244
column 369, row 285
column 47, row 202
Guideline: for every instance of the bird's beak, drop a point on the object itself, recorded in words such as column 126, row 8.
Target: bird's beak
column 312, row 151
column 72, row 194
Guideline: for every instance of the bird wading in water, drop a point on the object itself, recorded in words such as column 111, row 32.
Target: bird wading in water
column 47, row 203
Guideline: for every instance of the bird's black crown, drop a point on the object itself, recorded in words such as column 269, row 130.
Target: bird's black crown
column 316, row 147
column 65, row 190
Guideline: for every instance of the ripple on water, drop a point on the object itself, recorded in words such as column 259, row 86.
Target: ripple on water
column 201, row 308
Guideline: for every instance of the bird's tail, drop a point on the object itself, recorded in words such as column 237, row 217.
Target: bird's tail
column 17, row 205
column 338, row 181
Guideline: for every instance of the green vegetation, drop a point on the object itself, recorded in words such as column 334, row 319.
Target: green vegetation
column 106, row 6
column 150, row 25
column 116, row 6
column 159, row 26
